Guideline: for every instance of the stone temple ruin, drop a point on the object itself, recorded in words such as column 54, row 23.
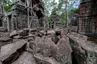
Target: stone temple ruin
column 88, row 17
column 25, row 14
column 53, row 46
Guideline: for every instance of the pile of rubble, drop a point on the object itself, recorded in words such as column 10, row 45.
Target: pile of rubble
column 36, row 46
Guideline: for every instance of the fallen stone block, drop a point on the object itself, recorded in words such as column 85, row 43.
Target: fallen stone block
column 50, row 32
column 50, row 48
column 23, row 32
column 25, row 58
column 43, row 32
column 13, row 33
column 64, row 32
column 44, row 60
column 33, row 30
column 5, row 39
column 64, row 51
column 45, row 46
column 84, row 52
column 17, row 37
column 11, row 52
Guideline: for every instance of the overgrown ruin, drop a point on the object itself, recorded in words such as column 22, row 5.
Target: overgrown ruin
column 25, row 38
column 25, row 14
column 87, row 17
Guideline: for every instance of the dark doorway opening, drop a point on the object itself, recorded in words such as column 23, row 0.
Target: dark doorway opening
column 73, row 58
column 1, row 24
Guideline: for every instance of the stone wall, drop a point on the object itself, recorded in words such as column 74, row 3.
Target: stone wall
column 84, row 52
column 25, row 14
column 87, row 18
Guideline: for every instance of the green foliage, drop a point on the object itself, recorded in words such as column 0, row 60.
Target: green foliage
column 60, row 5
column 6, row 8
column 7, row 5
column 73, row 10
column 63, row 16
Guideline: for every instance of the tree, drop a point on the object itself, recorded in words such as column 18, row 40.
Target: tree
column 60, row 7
column 73, row 10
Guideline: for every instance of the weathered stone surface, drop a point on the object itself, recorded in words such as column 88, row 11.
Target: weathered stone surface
column 37, row 45
column 35, row 19
column 43, row 32
column 11, row 51
column 84, row 52
column 24, row 32
column 33, row 30
column 64, row 51
column 50, row 32
column 13, row 33
column 25, row 58
column 44, row 46
column 64, row 32
column 50, row 49
column 4, row 39
column 40, row 59
column 0, row 62
column 45, row 51
column 83, row 37
column 47, row 48
column 17, row 37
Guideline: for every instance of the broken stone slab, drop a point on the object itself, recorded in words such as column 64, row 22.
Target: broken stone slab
column 64, row 32
column 84, row 52
column 64, row 51
column 40, row 59
column 50, row 48
column 13, row 33
column 33, row 30
column 25, row 58
column 17, row 37
column 5, row 39
column 11, row 52
column 45, row 46
column 23, row 32
column 4, row 43
column 23, row 37
column 37, row 45
column 43, row 32
column 80, row 36
column 51, row 32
